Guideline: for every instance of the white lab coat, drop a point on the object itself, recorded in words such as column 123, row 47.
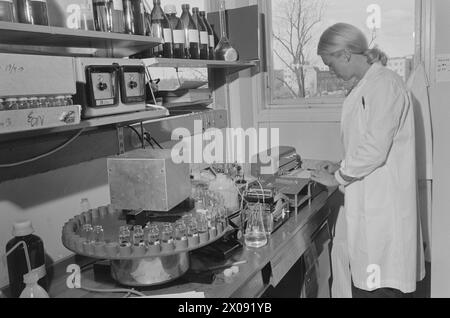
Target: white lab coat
column 383, row 232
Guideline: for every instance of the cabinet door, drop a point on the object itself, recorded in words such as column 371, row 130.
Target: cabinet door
column 318, row 266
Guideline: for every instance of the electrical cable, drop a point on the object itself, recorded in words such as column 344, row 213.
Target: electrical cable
column 137, row 133
column 20, row 163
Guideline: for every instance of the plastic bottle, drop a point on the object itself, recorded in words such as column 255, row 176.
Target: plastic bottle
column 160, row 28
column 203, row 33
column 191, row 32
column 16, row 260
column 211, row 39
column 32, row 289
column 179, row 38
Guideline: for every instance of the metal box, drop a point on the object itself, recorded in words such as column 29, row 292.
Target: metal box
column 147, row 180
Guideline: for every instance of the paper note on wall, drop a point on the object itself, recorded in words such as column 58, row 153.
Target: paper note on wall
column 443, row 68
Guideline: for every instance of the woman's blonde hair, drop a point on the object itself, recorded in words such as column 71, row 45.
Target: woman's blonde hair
column 343, row 36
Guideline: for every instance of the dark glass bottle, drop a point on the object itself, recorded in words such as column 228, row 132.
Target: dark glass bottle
column 161, row 29
column 7, row 11
column 103, row 15
column 191, row 33
column 24, row 11
column 203, row 33
column 118, row 24
column 17, row 265
column 179, row 38
column 40, row 13
column 133, row 11
column 211, row 41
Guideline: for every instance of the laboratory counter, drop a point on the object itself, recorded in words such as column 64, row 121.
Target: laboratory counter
column 305, row 235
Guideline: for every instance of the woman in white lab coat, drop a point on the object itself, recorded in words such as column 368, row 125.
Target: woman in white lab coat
column 378, row 171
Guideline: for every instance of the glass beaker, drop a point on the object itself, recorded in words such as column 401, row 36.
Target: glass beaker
column 255, row 233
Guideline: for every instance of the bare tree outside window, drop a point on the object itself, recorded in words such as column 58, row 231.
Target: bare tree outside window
column 292, row 38
column 297, row 73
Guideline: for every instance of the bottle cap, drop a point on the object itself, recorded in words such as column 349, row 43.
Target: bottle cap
column 23, row 228
column 170, row 9
column 31, row 277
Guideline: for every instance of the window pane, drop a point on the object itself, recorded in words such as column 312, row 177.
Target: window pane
column 297, row 72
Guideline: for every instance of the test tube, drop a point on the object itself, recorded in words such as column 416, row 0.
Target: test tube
column 138, row 236
column 124, row 236
column 34, row 102
column 23, row 103
column 99, row 234
column 11, row 104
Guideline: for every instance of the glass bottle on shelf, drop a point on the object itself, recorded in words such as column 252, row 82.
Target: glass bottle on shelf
column 24, row 11
column 224, row 51
column 51, row 101
column 68, row 100
column 34, row 102
column 134, row 18
column 60, row 101
column 124, row 236
column 211, row 40
column 40, row 13
column 7, row 11
column 23, row 103
column 11, row 104
column 203, row 33
column 103, row 15
column 138, row 236
column 191, row 33
column 179, row 38
column 43, row 102
column 160, row 28
column 118, row 25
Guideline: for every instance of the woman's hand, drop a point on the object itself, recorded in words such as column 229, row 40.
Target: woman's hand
column 328, row 166
column 325, row 178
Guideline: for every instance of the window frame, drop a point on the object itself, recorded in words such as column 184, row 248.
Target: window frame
column 325, row 104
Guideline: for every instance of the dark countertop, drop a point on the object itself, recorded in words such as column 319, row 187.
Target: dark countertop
column 265, row 266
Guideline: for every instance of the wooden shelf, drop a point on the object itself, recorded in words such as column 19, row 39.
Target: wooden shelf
column 36, row 35
column 181, row 63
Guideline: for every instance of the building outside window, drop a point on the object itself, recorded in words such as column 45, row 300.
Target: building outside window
column 297, row 75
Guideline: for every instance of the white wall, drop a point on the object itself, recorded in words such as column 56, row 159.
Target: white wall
column 440, row 97
column 49, row 200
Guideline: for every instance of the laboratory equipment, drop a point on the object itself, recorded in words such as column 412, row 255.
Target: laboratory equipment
column 109, row 86
column 191, row 32
column 7, row 11
column 160, row 28
column 202, row 29
column 134, row 17
column 224, row 185
column 118, row 20
column 224, row 50
column 211, row 39
column 275, row 162
column 21, row 82
column 32, row 288
column 24, row 11
column 39, row 11
column 21, row 260
column 255, row 232
column 147, row 180
column 103, row 15
column 179, row 37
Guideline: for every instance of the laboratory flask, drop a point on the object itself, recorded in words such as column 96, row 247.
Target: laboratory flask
column 255, row 233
